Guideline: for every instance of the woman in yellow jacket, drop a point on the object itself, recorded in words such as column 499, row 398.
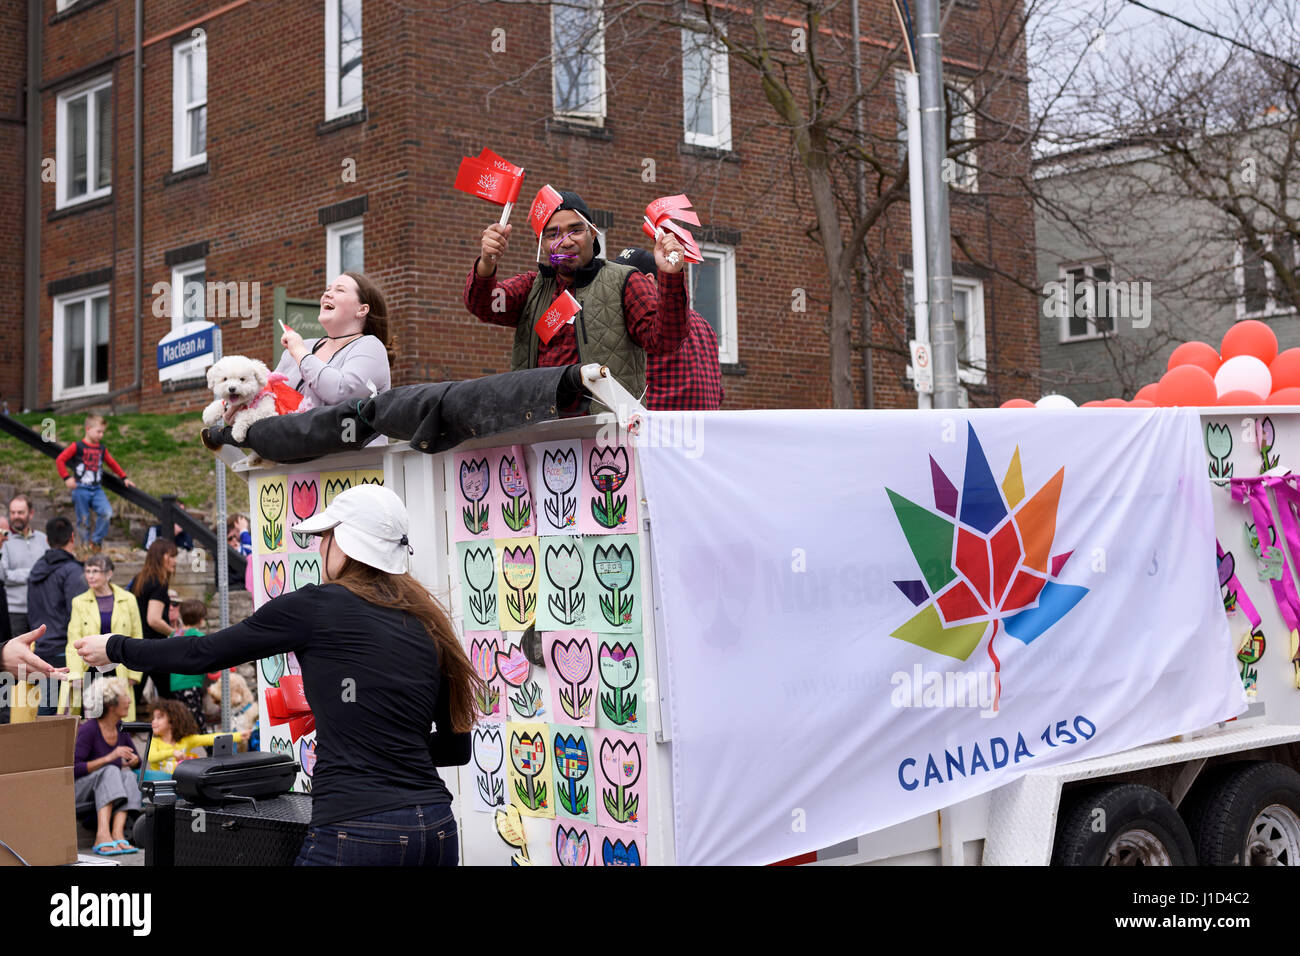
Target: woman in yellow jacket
column 105, row 608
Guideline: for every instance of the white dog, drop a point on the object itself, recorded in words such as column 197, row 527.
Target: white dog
column 244, row 394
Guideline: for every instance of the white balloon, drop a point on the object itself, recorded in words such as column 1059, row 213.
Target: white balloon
column 1054, row 401
column 1244, row 373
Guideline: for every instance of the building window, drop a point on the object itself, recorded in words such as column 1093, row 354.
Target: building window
column 342, row 57
column 960, row 107
column 1090, row 305
column 578, row 60
column 344, row 249
column 81, row 344
column 189, row 103
column 1260, row 292
column 968, row 322
column 188, row 293
column 712, row 286
column 85, row 143
column 706, row 90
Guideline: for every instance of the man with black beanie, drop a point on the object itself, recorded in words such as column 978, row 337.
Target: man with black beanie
column 624, row 314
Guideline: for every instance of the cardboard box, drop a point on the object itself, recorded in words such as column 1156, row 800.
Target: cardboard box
column 36, row 792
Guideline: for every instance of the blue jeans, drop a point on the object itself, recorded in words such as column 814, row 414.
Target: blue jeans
column 409, row 836
column 86, row 498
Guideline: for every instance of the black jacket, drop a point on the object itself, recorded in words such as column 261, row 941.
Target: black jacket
column 56, row 578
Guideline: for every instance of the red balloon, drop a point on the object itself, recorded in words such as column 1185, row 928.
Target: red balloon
column 1200, row 354
column 1016, row 403
column 1239, row 397
column 1250, row 337
column 1093, row 404
column 1186, row 385
column 1141, row 403
column 1286, row 370
column 1147, row 393
column 1115, row 403
column 1284, row 396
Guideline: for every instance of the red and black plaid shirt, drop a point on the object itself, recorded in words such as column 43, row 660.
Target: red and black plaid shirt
column 656, row 322
column 690, row 379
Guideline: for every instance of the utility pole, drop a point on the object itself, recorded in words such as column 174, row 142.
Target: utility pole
column 938, row 232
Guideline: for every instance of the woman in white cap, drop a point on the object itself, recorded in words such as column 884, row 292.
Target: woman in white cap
column 381, row 664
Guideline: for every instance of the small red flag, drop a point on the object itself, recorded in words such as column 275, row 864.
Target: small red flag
column 564, row 308
column 503, row 165
column 480, row 178
column 660, row 215
column 544, row 205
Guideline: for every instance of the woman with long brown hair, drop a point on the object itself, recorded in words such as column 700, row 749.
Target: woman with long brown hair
column 381, row 663
column 355, row 352
column 151, row 587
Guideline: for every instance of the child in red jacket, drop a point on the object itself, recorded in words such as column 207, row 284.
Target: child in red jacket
column 87, row 459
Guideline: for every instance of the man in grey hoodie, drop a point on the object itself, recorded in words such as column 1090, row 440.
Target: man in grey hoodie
column 20, row 552
column 55, row 579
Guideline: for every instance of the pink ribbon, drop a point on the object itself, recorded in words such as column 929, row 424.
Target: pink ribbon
column 1255, row 492
column 1243, row 599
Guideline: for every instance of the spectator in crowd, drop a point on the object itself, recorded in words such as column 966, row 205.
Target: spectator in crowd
column 87, row 459
column 689, row 379
column 188, row 688
column 6, row 627
column 151, row 587
column 353, row 354
column 183, row 541
column 56, row 578
column 176, row 737
column 21, row 549
column 239, row 534
column 104, row 764
column 104, row 608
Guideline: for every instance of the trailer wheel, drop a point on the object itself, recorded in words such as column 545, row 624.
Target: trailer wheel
column 1249, row 815
column 1121, row 825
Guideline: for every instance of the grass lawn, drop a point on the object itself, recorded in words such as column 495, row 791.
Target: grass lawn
column 161, row 453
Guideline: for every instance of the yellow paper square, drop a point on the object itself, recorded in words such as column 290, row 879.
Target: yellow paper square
column 528, row 767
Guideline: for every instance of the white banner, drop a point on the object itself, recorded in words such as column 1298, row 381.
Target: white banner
column 869, row 616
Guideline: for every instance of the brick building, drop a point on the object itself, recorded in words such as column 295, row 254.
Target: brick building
column 278, row 149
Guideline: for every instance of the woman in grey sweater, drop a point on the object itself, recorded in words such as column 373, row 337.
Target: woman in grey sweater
column 354, row 353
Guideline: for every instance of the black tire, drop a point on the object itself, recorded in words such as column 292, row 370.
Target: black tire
column 1231, row 822
column 1139, row 827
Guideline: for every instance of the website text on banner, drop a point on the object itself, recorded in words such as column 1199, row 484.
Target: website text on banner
column 916, row 608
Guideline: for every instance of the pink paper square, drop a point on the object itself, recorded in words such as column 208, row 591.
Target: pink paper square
column 621, row 772
column 571, row 666
column 305, row 500
column 608, row 503
column 624, row 847
column 476, row 491
column 512, row 509
column 481, row 647
column 574, row 843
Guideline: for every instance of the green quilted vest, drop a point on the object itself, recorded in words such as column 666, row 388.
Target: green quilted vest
column 600, row 327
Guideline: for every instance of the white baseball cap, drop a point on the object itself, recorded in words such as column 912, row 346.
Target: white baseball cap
column 370, row 525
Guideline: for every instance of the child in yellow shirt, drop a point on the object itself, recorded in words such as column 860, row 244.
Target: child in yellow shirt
column 176, row 737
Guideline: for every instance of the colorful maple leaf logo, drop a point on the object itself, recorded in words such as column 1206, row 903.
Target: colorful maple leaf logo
column 985, row 557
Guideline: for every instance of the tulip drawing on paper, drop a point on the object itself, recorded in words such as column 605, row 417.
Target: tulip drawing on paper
column 1267, row 438
column 514, row 668
column 480, row 576
column 528, row 755
column 305, row 571
column 564, row 571
column 273, row 669
column 619, row 854
column 475, row 481
column 559, row 475
column 489, row 754
column 1218, row 442
column 572, row 762
column 573, row 664
column 519, row 567
column 621, row 766
column 518, row 510
column 572, row 848
column 608, row 468
column 273, row 578
column 270, row 500
column 335, row 487
column 618, row 669
column 614, row 567
column 302, row 499
column 483, row 659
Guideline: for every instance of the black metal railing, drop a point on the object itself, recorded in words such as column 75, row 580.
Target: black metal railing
column 165, row 509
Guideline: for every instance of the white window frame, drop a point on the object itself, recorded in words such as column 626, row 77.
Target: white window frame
column 333, row 108
column 182, row 158
column 1272, row 306
column 720, row 85
column 969, row 162
column 58, row 392
column 595, row 115
column 728, row 350
column 334, row 246
column 975, row 371
column 178, row 292
column 63, row 146
column 1064, row 337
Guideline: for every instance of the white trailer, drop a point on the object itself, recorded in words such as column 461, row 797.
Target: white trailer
column 1225, row 794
